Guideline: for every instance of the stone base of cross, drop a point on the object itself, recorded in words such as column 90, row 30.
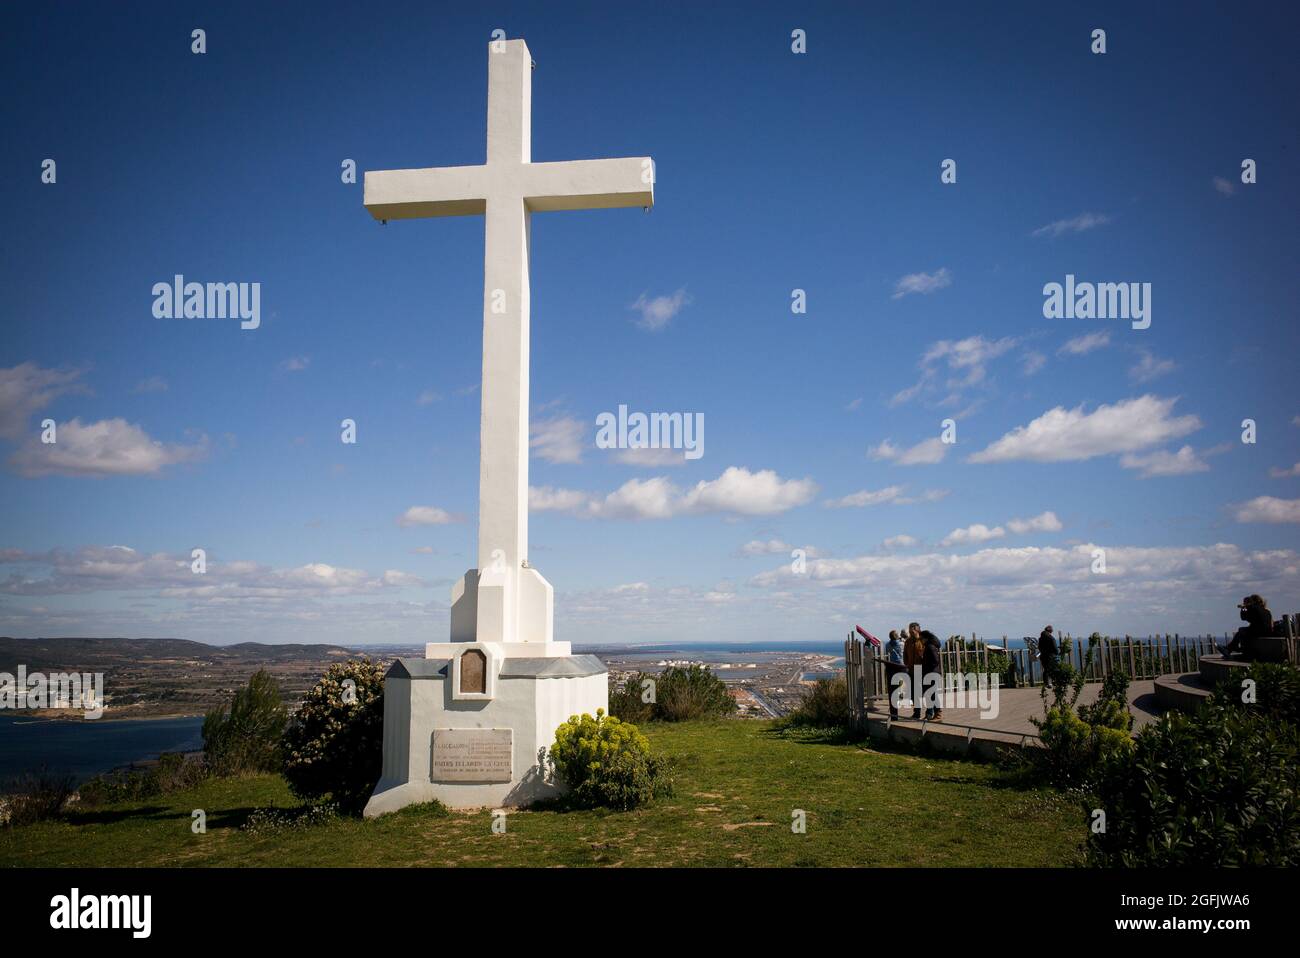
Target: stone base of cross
column 467, row 723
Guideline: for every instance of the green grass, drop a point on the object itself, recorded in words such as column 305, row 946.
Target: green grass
column 737, row 786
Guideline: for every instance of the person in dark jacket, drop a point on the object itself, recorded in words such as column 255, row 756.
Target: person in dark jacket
column 932, row 665
column 1259, row 623
column 893, row 666
column 1048, row 650
column 913, row 653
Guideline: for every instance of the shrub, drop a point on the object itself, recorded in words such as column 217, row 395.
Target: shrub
column 688, row 693
column 173, row 773
column 825, row 706
column 36, row 797
column 246, row 736
column 1111, row 708
column 605, row 761
column 334, row 746
column 1078, row 746
column 628, row 703
column 1215, row 789
column 1276, row 691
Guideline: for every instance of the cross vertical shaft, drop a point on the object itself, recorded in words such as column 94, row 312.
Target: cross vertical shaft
column 503, row 464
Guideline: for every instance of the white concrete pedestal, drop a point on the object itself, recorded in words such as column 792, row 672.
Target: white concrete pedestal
column 427, row 719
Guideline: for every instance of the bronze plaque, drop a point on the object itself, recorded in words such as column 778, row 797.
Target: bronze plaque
column 472, row 755
column 473, row 671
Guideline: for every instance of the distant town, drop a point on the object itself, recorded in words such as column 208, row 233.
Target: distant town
column 169, row 678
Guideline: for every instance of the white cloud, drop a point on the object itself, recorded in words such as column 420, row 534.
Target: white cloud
column 758, row 547
column 1277, row 473
column 648, row 458
column 110, row 447
column 1226, row 187
column 737, row 491
column 973, row 534
column 749, row 493
column 1162, row 462
column 398, row 579
column 1149, row 367
column 296, row 363
column 658, row 312
column 854, row 405
column 427, row 398
column 1031, row 362
column 923, row 283
column 26, row 389
column 426, row 516
column 1043, row 522
column 1076, row 224
column 977, row 533
column 902, row 541
column 1269, row 509
column 1202, row 583
column 890, row 494
column 865, row 497
column 924, row 453
column 1082, row 345
column 966, row 359
column 558, row 440
column 1061, row 435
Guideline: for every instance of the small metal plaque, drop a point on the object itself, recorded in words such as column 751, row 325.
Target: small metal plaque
column 473, row 755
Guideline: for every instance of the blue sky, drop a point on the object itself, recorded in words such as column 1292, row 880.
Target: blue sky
column 775, row 171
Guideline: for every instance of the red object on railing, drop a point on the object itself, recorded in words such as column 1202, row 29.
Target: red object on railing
column 868, row 636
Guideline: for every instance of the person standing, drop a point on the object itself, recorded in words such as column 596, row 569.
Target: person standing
column 913, row 655
column 1048, row 651
column 932, row 665
column 893, row 666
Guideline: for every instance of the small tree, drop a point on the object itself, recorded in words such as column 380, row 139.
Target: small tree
column 245, row 736
column 633, row 702
column 335, row 744
column 691, row 693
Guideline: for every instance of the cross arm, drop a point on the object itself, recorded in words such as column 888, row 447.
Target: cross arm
column 438, row 191
column 589, row 184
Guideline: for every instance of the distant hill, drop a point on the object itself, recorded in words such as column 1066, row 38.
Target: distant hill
column 93, row 654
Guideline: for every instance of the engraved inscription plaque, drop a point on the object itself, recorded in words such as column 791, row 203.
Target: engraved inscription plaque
column 473, row 671
column 472, row 755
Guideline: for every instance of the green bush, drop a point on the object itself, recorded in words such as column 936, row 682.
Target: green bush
column 1078, row 746
column 678, row 694
column 1214, row 789
column 1276, row 691
column 694, row 692
column 245, row 737
column 629, row 702
column 173, row 773
column 607, row 762
column 1111, row 708
column 825, row 706
column 334, row 746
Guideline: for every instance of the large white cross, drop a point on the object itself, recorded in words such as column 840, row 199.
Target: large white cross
column 504, row 600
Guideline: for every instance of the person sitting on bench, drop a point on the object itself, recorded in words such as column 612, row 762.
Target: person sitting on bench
column 1259, row 623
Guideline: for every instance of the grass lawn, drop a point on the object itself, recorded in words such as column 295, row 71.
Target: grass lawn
column 737, row 784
